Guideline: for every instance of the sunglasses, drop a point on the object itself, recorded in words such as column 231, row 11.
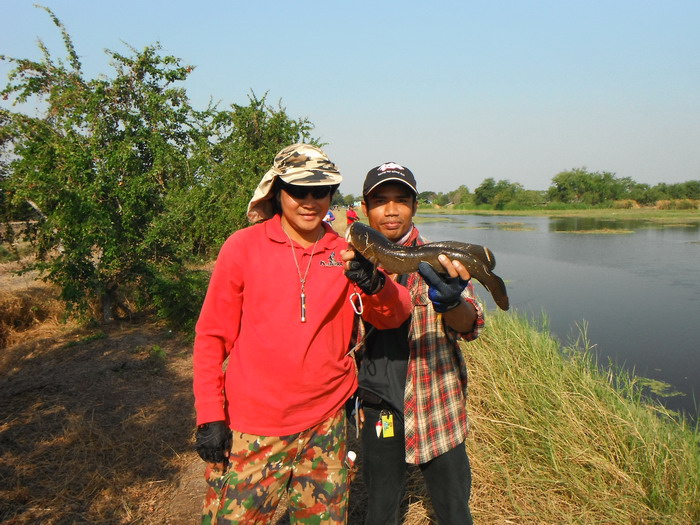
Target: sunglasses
column 300, row 192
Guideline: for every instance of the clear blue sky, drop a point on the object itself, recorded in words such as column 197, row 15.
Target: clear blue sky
column 458, row 90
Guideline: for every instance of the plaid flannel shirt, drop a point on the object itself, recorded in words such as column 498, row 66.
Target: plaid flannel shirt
column 435, row 398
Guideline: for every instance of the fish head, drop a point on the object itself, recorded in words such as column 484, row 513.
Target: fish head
column 366, row 240
column 359, row 235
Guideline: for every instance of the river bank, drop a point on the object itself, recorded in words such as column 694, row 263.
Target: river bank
column 649, row 214
column 553, row 440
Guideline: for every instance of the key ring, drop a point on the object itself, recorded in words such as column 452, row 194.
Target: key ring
column 358, row 308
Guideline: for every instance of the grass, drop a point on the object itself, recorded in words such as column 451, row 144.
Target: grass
column 663, row 218
column 100, row 430
column 555, row 439
column 650, row 214
column 598, row 231
column 12, row 253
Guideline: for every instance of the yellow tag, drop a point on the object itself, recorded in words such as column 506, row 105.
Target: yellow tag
column 388, row 425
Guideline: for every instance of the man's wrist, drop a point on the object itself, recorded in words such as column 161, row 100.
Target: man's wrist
column 381, row 281
column 442, row 308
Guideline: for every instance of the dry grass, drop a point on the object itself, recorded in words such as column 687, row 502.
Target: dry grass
column 553, row 441
column 92, row 424
column 25, row 304
column 96, row 423
column 96, row 427
column 597, row 231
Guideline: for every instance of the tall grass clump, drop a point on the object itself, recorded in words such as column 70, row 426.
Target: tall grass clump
column 557, row 439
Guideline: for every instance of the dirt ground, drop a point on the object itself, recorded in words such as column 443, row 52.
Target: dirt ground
column 97, row 423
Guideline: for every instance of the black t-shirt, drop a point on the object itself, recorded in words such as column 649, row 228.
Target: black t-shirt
column 385, row 362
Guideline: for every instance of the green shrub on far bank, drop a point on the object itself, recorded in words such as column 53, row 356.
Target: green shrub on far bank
column 626, row 204
column 556, row 440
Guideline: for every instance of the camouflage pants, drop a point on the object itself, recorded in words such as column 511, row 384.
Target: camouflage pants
column 309, row 467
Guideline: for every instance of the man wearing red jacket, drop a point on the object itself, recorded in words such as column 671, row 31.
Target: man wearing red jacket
column 278, row 311
column 351, row 215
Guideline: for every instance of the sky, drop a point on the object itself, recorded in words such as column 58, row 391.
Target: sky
column 458, row 91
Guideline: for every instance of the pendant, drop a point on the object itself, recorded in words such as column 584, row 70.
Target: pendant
column 303, row 307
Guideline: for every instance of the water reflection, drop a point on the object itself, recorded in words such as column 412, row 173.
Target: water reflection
column 638, row 293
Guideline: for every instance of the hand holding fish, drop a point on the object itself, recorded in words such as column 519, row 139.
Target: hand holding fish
column 362, row 272
column 445, row 292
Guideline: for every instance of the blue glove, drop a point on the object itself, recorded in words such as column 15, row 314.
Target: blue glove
column 444, row 292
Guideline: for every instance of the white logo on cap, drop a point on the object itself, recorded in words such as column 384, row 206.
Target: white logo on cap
column 391, row 166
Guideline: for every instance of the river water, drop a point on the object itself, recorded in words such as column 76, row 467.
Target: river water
column 637, row 292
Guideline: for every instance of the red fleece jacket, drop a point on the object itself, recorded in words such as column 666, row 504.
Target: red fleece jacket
column 282, row 376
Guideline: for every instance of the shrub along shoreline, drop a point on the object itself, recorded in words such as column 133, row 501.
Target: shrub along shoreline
column 556, row 439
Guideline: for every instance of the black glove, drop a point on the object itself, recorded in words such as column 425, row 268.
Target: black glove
column 212, row 440
column 445, row 292
column 365, row 274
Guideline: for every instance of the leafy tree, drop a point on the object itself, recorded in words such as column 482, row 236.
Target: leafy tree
column 570, row 186
column 460, row 196
column 523, row 198
column 441, row 199
column 682, row 190
column 580, row 186
column 486, row 191
column 691, row 189
column 129, row 180
column 497, row 194
column 338, row 199
column 427, row 196
column 235, row 150
column 98, row 164
column 506, row 193
column 641, row 193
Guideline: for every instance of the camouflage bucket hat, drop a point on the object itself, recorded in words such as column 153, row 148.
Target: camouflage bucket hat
column 299, row 164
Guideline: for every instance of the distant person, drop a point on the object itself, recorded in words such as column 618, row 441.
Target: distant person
column 351, row 215
column 329, row 218
column 413, row 379
column 278, row 311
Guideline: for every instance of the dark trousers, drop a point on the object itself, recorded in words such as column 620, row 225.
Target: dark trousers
column 447, row 477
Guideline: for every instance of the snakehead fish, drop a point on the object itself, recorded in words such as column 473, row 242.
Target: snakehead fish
column 395, row 258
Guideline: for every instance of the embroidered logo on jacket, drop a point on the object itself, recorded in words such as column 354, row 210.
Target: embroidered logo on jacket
column 331, row 261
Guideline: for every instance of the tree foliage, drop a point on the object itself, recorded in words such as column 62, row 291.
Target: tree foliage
column 497, row 193
column 233, row 154
column 460, row 196
column 98, row 164
column 579, row 186
column 128, row 179
column 426, row 196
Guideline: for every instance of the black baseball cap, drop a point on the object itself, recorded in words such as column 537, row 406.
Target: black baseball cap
column 389, row 171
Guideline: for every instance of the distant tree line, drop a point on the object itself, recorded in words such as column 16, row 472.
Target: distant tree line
column 576, row 188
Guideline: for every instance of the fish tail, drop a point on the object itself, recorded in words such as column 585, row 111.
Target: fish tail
column 496, row 287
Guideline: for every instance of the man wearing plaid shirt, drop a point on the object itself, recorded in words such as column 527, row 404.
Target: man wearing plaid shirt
column 413, row 379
